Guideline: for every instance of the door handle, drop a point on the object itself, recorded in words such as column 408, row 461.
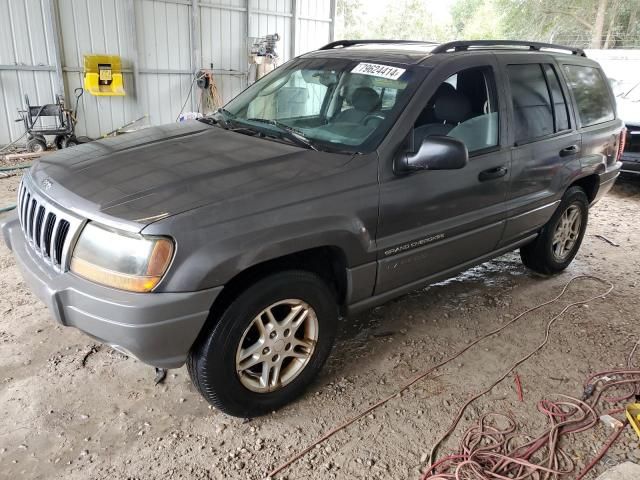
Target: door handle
column 570, row 150
column 492, row 174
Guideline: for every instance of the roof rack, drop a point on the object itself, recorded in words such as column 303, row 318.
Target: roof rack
column 351, row 43
column 536, row 46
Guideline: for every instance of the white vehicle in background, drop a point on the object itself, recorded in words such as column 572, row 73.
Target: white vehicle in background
column 628, row 101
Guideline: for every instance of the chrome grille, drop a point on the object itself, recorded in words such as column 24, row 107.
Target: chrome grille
column 49, row 230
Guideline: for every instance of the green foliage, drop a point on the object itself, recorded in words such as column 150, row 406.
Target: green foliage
column 584, row 23
column 349, row 16
column 402, row 20
column 573, row 22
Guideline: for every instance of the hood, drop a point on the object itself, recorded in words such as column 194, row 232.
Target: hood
column 142, row 177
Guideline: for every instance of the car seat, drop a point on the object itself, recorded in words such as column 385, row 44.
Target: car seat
column 364, row 100
column 450, row 109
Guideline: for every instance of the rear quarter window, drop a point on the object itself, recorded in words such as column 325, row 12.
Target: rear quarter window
column 591, row 94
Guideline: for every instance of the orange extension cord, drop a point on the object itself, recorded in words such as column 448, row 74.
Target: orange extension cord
column 559, row 412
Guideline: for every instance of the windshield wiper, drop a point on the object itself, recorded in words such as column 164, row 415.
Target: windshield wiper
column 221, row 117
column 287, row 132
column 209, row 120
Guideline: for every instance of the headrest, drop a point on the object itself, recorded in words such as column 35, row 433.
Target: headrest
column 452, row 107
column 365, row 99
column 444, row 89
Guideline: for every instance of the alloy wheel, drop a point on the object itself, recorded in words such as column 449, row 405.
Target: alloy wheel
column 566, row 233
column 277, row 345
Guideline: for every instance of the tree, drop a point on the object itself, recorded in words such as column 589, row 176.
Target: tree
column 349, row 18
column 584, row 23
column 580, row 23
column 398, row 19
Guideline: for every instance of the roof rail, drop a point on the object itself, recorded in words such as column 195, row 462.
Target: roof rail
column 463, row 45
column 351, row 43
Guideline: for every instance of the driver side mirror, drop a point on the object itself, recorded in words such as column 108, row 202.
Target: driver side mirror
column 435, row 153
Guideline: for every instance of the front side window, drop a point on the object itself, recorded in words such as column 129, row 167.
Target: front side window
column 463, row 107
column 332, row 104
column 591, row 94
column 531, row 102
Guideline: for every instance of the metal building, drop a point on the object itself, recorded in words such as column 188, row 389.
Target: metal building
column 162, row 44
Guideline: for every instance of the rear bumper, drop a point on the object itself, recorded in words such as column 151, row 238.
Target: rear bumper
column 607, row 180
column 157, row 328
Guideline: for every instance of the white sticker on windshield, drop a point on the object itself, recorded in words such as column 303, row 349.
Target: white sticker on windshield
column 377, row 70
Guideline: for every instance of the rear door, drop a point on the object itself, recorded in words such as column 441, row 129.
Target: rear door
column 435, row 222
column 545, row 146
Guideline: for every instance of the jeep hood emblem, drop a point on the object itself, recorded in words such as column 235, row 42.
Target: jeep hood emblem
column 46, row 184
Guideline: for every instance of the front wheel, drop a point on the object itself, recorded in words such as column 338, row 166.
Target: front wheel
column 36, row 144
column 267, row 346
column 560, row 239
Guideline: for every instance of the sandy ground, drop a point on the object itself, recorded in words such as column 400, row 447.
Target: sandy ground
column 73, row 409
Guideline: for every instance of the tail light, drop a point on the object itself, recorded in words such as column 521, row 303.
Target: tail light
column 622, row 143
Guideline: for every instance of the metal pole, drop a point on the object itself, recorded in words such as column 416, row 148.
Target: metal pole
column 130, row 10
column 294, row 27
column 196, row 42
column 249, row 12
column 53, row 18
column 332, row 27
column 248, row 43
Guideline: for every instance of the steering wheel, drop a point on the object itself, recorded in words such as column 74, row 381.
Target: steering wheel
column 371, row 118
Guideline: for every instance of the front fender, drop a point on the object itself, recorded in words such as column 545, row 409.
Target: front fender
column 217, row 262
column 216, row 242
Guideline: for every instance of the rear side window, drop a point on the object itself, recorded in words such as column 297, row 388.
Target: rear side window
column 531, row 102
column 560, row 114
column 591, row 94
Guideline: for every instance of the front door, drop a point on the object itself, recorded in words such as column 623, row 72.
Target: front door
column 435, row 222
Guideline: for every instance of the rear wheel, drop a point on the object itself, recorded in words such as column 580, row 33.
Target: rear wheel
column 560, row 239
column 267, row 346
column 59, row 141
column 70, row 141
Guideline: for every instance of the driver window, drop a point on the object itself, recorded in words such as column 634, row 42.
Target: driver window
column 463, row 107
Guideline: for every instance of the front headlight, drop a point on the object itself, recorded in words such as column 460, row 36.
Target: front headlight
column 121, row 260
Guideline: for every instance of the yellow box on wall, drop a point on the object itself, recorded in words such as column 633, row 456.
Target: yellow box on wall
column 103, row 75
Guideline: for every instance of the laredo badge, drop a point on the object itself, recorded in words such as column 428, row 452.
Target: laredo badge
column 377, row 70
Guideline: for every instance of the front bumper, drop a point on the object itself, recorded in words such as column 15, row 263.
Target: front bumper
column 157, row 328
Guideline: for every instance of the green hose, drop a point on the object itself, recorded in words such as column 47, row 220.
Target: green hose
column 16, row 167
column 7, row 209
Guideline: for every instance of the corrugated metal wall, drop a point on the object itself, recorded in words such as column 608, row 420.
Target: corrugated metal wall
column 26, row 56
column 159, row 47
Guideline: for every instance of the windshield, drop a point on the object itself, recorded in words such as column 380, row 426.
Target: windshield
column 633, row 94
column 629, row 90
column 329, row 104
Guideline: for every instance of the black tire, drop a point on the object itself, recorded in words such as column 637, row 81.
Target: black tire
column 36, row 145
column 539, row 255
column 59, row 141
column 69, row 142
column 212, row 360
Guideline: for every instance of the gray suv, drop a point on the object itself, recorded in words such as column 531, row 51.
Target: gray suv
column 344, row 178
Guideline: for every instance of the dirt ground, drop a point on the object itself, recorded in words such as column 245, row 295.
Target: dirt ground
column 73, row 409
